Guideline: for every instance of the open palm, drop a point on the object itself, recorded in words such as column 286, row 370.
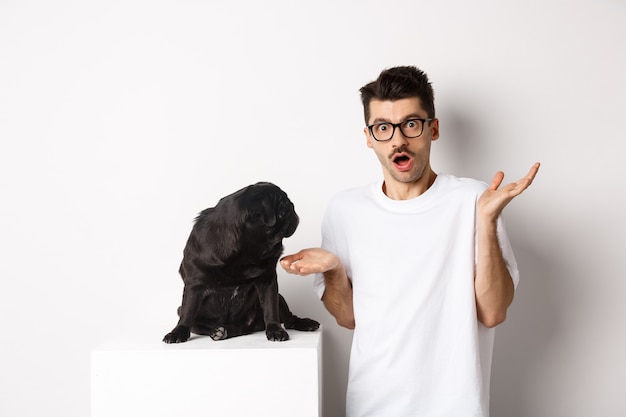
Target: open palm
column 494, row 200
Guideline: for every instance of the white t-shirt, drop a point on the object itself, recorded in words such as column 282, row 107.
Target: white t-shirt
column 418, row 348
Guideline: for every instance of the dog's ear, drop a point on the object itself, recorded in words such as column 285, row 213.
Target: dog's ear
column 217, row 232
column 237, row 223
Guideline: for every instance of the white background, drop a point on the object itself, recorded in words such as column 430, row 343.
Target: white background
column 120, row 120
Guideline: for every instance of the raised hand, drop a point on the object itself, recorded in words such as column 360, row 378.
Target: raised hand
column 494, row 200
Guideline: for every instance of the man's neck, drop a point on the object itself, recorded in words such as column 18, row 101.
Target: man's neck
column 397, row 190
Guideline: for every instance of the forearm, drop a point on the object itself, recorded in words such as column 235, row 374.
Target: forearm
column 493, row 283
column 337, row 296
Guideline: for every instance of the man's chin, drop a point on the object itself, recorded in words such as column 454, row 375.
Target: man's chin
column 405, row 177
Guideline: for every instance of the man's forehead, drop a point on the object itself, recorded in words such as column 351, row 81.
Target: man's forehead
column 390, row 109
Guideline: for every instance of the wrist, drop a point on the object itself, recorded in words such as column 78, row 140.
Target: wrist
column 335, row 275
column 487, row 221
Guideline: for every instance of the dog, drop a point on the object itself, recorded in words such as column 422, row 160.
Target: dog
column 229, row 268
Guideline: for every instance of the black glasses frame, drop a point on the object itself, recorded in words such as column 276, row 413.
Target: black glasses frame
column 398, row 125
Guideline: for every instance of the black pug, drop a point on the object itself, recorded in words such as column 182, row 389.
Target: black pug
column 229, row 268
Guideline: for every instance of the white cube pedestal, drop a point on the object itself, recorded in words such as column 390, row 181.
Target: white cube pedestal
column 139, row 376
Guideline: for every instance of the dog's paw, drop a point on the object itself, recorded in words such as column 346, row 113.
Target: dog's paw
column 306, row 325
column 276, row 333
column 219, row 333
column 180, row 334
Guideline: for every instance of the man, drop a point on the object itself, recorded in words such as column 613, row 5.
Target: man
column 419, row 265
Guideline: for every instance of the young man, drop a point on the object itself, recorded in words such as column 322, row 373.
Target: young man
column 419, row 265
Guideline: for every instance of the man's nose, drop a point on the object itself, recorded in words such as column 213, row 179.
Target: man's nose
column 398, row 139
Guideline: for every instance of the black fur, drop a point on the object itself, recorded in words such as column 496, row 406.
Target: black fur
column 229, row 268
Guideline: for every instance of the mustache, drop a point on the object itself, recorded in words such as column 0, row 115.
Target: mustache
column 401, row 149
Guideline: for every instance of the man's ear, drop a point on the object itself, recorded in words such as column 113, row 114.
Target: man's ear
column 368, row 137
column 434, row 129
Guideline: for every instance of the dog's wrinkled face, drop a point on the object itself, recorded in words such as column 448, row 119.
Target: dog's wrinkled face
column 270, row 215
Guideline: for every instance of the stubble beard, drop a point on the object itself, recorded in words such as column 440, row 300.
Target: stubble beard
column 407, row 177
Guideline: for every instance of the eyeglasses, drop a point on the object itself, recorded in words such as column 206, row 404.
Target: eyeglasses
column 410, row 128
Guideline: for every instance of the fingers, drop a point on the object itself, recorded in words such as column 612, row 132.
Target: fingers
column 494, row 199
column 301, row 270
column 525, row 182
column 296, row 269
column 290, row 264
column 290, row 259
column 497, row 180
column 520, row 185
column 532, row 172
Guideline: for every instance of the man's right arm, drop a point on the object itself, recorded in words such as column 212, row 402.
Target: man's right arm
column 337, row 296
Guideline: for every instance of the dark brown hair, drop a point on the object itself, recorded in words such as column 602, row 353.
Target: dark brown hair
column 397, row 83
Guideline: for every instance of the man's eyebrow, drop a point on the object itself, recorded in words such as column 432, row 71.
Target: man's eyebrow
column 407, row 117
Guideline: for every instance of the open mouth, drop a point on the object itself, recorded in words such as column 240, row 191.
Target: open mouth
column 402, row 161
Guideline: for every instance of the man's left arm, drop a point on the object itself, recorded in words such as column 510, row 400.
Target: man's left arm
column 493, row 283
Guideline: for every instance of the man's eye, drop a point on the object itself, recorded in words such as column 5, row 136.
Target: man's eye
column 411, row 124
column 383, row 127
